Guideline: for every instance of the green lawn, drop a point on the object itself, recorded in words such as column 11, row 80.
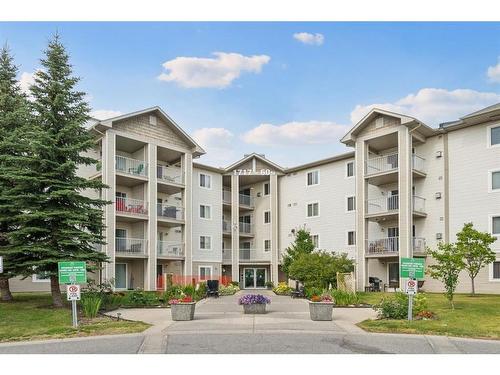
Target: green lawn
column 31, row 317
column 477, row 317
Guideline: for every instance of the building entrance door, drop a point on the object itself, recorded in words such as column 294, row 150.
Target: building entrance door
column 254, row 278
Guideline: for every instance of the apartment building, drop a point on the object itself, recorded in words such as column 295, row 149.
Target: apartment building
column 405, row 186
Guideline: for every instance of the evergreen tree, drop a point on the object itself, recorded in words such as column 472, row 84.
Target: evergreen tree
column 14, row 118
column 63, row 222
column 303, row 244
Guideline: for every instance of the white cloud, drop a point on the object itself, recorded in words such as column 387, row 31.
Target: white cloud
column 103, row 114
column 26, row 80
column 219, row 144
column 308, row 38
column 294, row 133
column 494, row 73
column 433, row 106
column 218, row 72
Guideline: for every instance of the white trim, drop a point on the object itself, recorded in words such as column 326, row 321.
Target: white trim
column 319, row 239
column 264, row 217
column 199, row 211
column 307, row 210
column 353, row 169
column 347, row 238
column 126, row 275
column 199, row 242
column 495, row 244
column 490, row 272
column 347, row 203
column 199, row 180
column 205, row 266
column 490, row 181
column 264, row 189
column 307, row 177
column 488, row 136
column 264, row 245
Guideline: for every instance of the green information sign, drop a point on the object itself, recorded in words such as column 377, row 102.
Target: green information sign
column 72, row 272
column 412, row 268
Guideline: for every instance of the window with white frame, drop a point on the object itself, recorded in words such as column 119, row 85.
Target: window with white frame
column 351, row 238
column 495, row 226
column 267, row 245
column 266, row 188
column 267, row 217
column 350, row 169
column 205, row 272
column 495, row 275
column 351, row 203
column 315, row 240
column 494, row 136
column 495, row 180
column 313, row 209
column 205, row 243
column 313, row 178
column 205, row 181
column 205, row 211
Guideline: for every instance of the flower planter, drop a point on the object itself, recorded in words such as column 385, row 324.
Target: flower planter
column 321, row 311
column 255, row 308
column 183, row 311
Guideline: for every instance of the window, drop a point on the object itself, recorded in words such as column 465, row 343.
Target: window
column 495, row 180
column 495, row 226
column 494, row 136
column 496, row 270
column 351, row 238
column 266, row 188
column 351, row 203
column 313, row 178
column 205, row 211
column 205, row 181
column 205, row 242
column 313, row 209
column 152, row 120
column 205, row 272
column 315, row 240
column 267, row 217
column 350, row 169
column 41, row 277
column 267, row 245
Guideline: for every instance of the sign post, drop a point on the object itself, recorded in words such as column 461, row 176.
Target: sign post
column 411, row 289
column 72, row 273
column 413, row 269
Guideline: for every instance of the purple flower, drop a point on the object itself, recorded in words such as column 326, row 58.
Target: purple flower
column 251, row 299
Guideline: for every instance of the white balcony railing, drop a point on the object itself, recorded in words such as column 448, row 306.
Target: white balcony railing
column 418, row 204
column 226, row 254
column 131, row 206
column 170, row 175
column 383, row 246
column 383, row 204
column 246, row 200
column 170, row 249
column 418, row 163
column 130, row 246
column 226, row 196
column 254, row 254
column 418, row 245
column 246, row 228
column 380, row 164
column 130, row 166
column 226, row 226
column 166, row 211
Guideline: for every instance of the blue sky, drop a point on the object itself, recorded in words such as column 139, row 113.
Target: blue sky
column 289, row 97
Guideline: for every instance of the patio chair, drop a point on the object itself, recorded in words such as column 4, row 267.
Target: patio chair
column 137, row 171
column 213, row 288
column 298, row 292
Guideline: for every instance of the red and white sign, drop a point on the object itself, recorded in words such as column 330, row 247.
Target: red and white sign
column 411, row 286
column 73, row 292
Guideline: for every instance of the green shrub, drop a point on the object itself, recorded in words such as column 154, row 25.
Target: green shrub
column 111, row 301
column 343, row 298
column 396, row 307
column 235, row 283
column 202, row 291
column 173, row 292
column 141, row 298
column 419, row 303
column 228, row 290
column 283, row 289
column 91, row 302
column 269, row 284
column 189, row 290
column 310, row 291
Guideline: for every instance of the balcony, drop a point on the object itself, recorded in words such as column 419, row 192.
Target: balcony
column 131, row 167
column 226, row 256
column 247, row 256
column 386, row 247
column 389, row 207
column 246, row 200
column 419, row 246
column 226, row 196
column 131, row 207
column 382, row 170
column 170, row 180
column 226, row 227
column 169, row 213
column 170, row 249
column 246, row 229
column 130, row 247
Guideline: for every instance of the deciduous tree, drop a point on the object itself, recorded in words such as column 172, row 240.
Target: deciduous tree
column 303, row 244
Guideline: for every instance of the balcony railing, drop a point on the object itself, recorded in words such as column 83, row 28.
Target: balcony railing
column 131, row 206
column 170, row 249
column 418, row 163
column 380, row 164
column 246, row 228
column 418, row 204
column 383, row 246
column 226, row 254
column 130, row 246
column 226, row 196
column 383, row 204
column 170, row 175
column 254, row 254
column 169, row 212
column 130, row 166
column 226, row 226
column 246, row 200
column 419, row 245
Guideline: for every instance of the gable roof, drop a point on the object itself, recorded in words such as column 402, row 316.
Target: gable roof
column 486, row 114
column 108, row 123
column 252, row 156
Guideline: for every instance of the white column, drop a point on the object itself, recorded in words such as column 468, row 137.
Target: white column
column 273, row 186
column 187, row 200
column 235, row 229
column 108, row 178
column 361, row 155
column 152, row 227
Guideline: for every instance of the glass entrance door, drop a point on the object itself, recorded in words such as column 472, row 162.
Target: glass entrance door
column 121, row 276
column 249, row 278
column 255, row 278
column 260, row 277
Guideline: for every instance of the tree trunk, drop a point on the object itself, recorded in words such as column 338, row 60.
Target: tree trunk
column 56, row 291
column 473, row 287
column 6, row 295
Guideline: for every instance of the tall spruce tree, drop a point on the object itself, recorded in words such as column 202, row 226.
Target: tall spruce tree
column 14, row 118
column 63, row 222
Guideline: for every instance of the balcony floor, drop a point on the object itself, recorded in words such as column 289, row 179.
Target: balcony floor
column 169, row 187
column 129, row 180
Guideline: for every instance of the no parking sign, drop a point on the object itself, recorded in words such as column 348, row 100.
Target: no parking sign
column 73, row 292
